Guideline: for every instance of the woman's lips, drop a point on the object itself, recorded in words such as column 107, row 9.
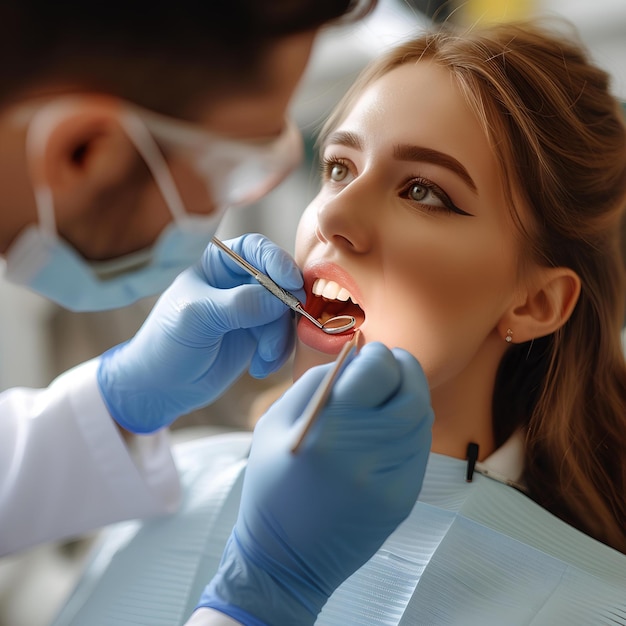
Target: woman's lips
column 336, row 284
column 312, row 336
column 330, row 273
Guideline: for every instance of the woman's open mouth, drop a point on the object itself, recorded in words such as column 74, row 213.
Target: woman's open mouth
column 329, row 299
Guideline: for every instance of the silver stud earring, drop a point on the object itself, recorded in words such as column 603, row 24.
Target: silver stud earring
column 509, row 335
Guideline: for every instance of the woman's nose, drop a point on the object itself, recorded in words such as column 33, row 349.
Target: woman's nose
column 346, row 220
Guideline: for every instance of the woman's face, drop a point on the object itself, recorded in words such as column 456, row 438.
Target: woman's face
column 412, row 222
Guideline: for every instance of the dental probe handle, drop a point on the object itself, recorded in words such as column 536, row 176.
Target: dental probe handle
column 319, row 398
column 285, row 296
column 282, row 294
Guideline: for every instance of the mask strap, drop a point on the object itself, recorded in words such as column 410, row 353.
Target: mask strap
column 45, row 209
column 145, row 145
column 44, row 200
column 151, row 153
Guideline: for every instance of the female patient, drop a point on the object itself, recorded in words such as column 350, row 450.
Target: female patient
column 472, row 193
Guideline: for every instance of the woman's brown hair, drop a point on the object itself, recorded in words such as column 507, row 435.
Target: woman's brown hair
column 560, row 138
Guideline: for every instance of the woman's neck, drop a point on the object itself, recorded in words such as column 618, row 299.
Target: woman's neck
column 463, row 413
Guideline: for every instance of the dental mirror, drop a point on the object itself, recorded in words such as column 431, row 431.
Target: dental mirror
column 333, row 326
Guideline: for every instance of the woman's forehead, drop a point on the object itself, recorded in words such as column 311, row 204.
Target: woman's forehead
column 421, row 105
column 421, row 99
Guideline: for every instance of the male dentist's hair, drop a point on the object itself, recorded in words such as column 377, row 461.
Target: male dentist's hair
column 158, row 54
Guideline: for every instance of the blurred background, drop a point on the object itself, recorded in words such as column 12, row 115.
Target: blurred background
column 38, row 340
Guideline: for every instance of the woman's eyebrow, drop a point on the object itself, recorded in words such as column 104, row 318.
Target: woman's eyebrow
column 408, row 152
column 344, row 138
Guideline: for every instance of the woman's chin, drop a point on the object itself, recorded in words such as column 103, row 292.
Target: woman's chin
column 315, row 347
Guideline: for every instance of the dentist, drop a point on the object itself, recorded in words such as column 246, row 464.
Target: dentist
column 126, row 128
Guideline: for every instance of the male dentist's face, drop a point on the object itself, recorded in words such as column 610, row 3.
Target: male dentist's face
column 411, row 223
column 106, row 202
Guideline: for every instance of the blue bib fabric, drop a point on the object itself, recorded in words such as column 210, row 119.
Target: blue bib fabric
column 469, row 553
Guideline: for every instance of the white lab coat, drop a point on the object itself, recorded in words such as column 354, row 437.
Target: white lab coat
column 65, row 469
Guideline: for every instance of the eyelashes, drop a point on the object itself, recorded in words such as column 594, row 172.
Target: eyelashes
column 328, row 165
column 416, row 190
column 420, row 185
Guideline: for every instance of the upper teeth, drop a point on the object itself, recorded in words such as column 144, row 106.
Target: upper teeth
column 330, row 290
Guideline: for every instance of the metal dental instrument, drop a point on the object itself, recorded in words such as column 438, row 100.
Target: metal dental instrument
column 318, row 400
column 333, row 326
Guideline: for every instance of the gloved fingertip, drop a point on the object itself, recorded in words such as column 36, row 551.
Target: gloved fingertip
column 372, row 377
column 270, row 358
column 291, row 277
column 413, row 374
column 407, row 359
column 260, row 368
column 270, row 348
column 278, row 263
column 276, row 339
column 376, row 350
column 299, row 293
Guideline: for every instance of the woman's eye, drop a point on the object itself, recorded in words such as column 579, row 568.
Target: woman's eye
column 335, row 170
column 418, row 193
column 428, row 194
column 338, row 172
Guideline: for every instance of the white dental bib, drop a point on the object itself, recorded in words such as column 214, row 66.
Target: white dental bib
column 470, row 553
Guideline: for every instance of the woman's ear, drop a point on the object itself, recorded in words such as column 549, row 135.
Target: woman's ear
column 548, row 303
column 78, row 149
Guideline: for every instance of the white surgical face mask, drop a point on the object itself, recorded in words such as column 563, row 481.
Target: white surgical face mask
column 236, row 172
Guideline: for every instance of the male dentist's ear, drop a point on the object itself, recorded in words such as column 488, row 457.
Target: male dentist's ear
column 549, row 301
column 78, row 149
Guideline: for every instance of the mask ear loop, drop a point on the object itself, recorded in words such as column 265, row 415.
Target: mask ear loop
column 35, row 141
column 145, row 145
column 149, row 150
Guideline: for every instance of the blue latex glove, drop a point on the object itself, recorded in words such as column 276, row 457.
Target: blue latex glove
column 214, row 322
column 308, row 521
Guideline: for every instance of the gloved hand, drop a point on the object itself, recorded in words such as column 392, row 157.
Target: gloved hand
column 214, row 322
column 308, row 521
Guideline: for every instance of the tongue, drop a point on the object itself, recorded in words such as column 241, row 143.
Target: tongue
column 333, row 308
